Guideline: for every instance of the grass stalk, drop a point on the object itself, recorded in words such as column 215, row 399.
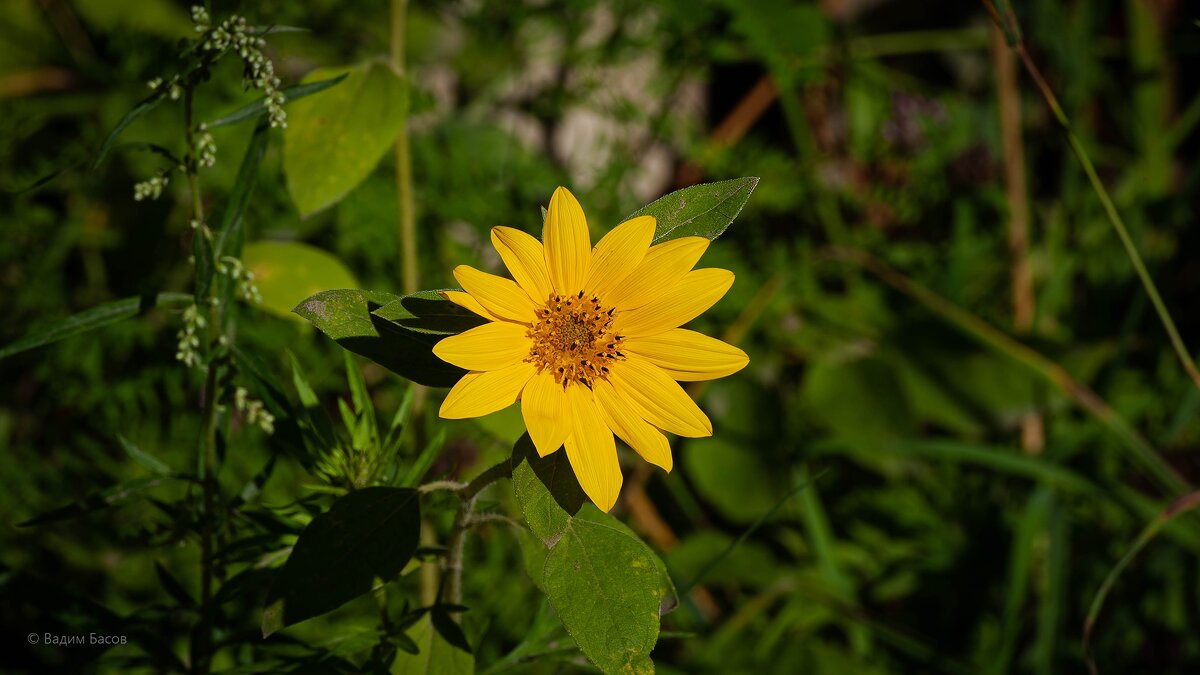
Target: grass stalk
column 1008, row 23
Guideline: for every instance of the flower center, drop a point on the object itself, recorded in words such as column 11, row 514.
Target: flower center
column 573, row 337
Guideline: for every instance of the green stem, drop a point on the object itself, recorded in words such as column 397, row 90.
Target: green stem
column 404, row 196
column 208, row 479
column 1110, row 210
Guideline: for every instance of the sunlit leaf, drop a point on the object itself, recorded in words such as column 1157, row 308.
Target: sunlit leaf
column 698, row 211
column 546, row 489
column 287, row 272
column 334, row 140
column 606, row 586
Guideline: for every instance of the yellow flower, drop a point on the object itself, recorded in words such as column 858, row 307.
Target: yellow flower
column 588, row 340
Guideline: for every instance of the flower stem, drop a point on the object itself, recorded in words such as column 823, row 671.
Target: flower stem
column 1012, row 30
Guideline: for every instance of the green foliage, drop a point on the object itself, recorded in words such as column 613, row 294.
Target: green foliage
column 353, row 319
column 287, row 272
column 334, row 140
column 698, row 211
column 876, row 496
column 91, row 319
column 605, row 584
column 368, row 534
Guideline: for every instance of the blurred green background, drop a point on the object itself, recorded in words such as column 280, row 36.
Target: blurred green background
column 963, row 509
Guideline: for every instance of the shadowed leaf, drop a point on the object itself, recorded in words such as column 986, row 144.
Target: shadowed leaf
column 369, row 533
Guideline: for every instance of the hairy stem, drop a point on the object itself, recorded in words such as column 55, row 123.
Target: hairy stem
column 462, row 522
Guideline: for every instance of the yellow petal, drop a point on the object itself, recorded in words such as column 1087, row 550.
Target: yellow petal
column 663, row 267
column 592, row 450
column 689, row 356
column 625, row 422
column 479, row 394
column 525, row 259
column 695, row 293
column 464, row 300
column 657, row 398
column 491, row 346
column 618, row 253
column 544, row 407
column 568, row 246
column 500, row 296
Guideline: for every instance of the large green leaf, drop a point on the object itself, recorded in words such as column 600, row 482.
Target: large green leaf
column 698, row 211
column 436, row 656
column 546, row 489
column 369, row 533
column 334, row 140
column 94, row 318
column 606, row 586
column 287, row 272
column 348, row 317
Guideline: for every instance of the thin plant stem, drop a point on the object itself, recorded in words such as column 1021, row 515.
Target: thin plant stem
column 404, row 187
column 1011, row 28
column 208, row 483
column 462, row 523
column 1179, row 506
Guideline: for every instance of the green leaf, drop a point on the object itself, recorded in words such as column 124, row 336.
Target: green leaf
column 606, row 586
column 369, row 533
column 448, row 628
column 229, row 227
column 346, row 316
column 333, row 142
column 146, row 105
column 698, row 211
column 287, row 272
column 429, row 312
column 95, row 318
column 154, row 464
column 290, row 94
column 436, row 656
column 546, row 489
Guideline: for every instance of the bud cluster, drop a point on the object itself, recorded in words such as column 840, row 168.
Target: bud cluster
column 233, row 33
column 233, row 268
column 150, row 188
column 188, row 350
column 254, row 411
column 206, row 147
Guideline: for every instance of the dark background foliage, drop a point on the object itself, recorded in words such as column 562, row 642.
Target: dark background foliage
column 962, row 509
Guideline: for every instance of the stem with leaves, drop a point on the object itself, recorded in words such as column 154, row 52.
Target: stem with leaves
column 209, row 445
